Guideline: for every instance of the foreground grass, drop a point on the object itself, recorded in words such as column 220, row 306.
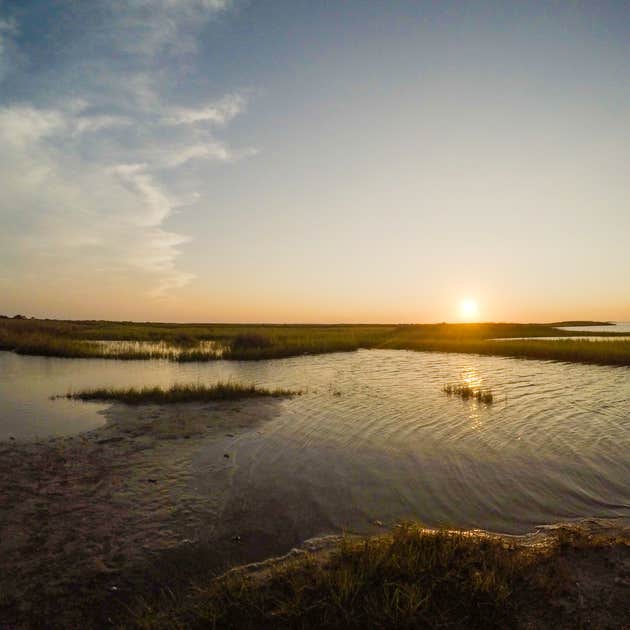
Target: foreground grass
column 179, row 393
column 256, row 342
column 410, row 578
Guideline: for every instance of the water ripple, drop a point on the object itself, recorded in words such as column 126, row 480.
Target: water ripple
column 375, row 437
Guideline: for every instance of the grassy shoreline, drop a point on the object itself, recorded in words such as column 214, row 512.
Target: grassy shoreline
column 178, row 394
column 183, row 342
column 615, row 353
column 411, row 578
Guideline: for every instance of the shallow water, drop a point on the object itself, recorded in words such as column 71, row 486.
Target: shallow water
column 375, row 438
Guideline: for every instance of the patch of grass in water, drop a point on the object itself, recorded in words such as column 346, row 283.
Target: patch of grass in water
column 179, row 393
column 465, row 392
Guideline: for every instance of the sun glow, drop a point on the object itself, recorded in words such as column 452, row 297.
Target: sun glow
column 468, row 309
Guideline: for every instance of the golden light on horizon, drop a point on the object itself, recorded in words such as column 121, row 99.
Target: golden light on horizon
column 469, row 309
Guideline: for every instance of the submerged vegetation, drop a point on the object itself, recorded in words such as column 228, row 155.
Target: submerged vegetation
column 179, row 393
column 466, row 391
column 208, row 342
column 409, row 578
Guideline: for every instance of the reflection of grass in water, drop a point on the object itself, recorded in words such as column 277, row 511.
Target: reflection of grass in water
column 199, row 351
column 183, row 342
column 409, row 578
column 179, row 393
column 466, row 391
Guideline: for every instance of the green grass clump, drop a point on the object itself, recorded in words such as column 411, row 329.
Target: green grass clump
column 466, row 391
column 179, row 393
column 409, row 578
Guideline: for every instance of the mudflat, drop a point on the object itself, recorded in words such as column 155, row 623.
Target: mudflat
column 81, row 516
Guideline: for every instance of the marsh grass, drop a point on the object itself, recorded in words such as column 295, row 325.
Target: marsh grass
column 605, row 352
column 409, row 578
column 179, row 393
column 237, row 342
column 465, row 392
column 42, row 344
column 257, row 342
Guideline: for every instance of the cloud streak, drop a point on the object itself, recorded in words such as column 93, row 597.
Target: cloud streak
column 86, row 170
column 218, row 113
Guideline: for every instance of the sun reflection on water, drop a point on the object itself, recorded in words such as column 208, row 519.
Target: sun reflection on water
column 475, row 417
column 471, row 377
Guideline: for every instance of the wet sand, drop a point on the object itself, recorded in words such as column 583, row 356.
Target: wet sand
column 79, row 516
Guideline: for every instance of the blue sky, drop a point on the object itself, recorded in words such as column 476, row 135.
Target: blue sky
column 217, row 160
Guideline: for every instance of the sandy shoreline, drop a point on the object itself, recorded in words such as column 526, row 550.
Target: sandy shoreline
column 85, row 510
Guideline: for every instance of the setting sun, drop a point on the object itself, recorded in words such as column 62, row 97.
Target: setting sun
column 468, row 309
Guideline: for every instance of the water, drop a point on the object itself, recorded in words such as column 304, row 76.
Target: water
column 26, row 384
column 375, row 438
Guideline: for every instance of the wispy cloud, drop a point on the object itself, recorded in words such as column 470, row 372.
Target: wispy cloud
column 210, row 151
column 155, row 203
column 218, row 113
column 97, row 123
column 85, row 171
column 23, row 125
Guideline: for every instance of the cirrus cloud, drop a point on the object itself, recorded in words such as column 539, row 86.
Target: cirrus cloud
column 86, row 169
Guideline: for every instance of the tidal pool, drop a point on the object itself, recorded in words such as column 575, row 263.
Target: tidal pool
column 374, row 439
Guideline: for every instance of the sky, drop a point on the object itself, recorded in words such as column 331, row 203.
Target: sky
column 299, row 161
